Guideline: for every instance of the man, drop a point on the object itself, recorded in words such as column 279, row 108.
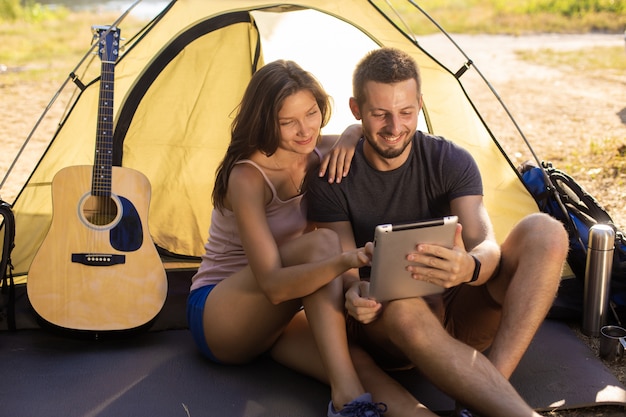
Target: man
column 496, row 296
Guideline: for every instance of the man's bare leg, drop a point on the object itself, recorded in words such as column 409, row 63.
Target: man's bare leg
column 533, row 257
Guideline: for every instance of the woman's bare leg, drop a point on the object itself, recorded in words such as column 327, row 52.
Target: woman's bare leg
column 324, row 312
column 297, row 350
column 240, row 322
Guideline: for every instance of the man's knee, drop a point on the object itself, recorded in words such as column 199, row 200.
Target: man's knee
column 412, row 318
column 540, row 232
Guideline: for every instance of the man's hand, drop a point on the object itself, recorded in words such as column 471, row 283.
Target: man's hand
column 442, row 266
column 359, row 306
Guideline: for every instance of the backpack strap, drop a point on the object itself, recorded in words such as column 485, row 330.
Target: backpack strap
column 6, row 267
column 561, row 210
column 576, row 196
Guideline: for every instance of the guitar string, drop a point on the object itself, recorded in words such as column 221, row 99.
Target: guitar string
column 104, row 170
column 102, row 173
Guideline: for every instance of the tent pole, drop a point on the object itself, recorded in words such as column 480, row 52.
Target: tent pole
column 71, row 77
column 471, row 63
column 551, row 187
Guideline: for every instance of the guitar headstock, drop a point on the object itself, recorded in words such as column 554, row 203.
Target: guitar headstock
column 108, row 38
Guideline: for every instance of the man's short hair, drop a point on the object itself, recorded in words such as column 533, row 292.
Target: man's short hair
column 384, row 65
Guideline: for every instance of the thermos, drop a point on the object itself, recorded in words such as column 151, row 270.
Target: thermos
column 597, row 278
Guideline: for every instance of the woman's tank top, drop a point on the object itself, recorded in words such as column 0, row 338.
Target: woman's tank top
column 224, row 254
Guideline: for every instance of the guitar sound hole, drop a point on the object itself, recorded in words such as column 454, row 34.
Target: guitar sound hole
column 99, row 210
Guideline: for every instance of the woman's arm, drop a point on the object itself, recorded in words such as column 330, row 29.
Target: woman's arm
column 338, row 151
column 247, row 196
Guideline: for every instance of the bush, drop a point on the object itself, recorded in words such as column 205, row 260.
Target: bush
column 10, row 9
column 580, row 7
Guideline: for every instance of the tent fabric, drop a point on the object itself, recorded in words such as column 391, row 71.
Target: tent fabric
column 194, row 137
column 177, row 85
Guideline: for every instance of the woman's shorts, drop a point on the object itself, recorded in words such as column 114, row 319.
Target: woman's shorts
column 195, row 317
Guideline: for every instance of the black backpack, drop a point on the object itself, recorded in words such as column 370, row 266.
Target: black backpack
column 7, row 284
column 559, row 195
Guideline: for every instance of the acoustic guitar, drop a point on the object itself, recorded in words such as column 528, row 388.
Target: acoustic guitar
column 98, row 268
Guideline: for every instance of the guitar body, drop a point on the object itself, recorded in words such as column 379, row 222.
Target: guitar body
column 98, row 269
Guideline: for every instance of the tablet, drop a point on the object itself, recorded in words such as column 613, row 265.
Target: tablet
column 389, row 279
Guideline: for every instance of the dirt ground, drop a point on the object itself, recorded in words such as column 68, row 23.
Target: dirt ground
column 564, row 114
column 568, row 117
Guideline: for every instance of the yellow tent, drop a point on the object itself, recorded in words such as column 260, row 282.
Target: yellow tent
column 178, row 82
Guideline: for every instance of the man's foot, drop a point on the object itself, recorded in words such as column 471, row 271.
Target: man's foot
column 362, row 406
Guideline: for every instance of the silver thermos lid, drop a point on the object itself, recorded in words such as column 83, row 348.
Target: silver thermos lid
column 601, row 237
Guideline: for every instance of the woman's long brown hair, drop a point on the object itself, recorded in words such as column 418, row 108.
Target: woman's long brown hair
column 255, row 126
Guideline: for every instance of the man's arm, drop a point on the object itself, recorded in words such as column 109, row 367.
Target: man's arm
column 474, row 238
column 478, row 235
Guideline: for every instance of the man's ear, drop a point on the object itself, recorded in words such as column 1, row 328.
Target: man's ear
column 354, row 108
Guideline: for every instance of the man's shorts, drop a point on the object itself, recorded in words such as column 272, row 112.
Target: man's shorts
column 469, row 314
column 195, row 317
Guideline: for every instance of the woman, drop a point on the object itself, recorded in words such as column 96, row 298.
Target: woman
column 261, row 272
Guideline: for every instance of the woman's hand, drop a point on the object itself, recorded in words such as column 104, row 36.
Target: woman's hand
column 360, row 257
column 338, row 158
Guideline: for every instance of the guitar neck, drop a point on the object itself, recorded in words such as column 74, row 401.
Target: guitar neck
column 102, row 168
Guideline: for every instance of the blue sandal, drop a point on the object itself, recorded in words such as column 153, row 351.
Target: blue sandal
column 362, row 406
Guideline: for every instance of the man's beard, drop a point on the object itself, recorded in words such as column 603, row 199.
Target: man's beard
column 387, row 153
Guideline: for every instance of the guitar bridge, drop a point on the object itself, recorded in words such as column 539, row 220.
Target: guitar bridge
column 98, row 259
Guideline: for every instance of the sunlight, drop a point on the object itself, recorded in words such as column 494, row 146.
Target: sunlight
column 330, row 55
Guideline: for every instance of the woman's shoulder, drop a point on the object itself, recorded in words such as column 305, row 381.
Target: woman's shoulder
column 249, row 177
column 247, row 171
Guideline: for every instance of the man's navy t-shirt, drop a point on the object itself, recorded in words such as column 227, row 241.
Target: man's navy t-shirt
column 436, row 172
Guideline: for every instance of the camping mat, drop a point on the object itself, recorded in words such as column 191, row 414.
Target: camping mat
column 160, row 373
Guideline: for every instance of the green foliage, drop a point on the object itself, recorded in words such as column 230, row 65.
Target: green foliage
column 10, row 9
column 575, row 7
column 31, row 11
column 518, row 16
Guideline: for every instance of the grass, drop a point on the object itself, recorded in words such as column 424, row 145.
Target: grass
column 519, row 16
column 11, row 10
column 457, row 16
column 49, row 47
column 600, row 62
column 601, row 59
